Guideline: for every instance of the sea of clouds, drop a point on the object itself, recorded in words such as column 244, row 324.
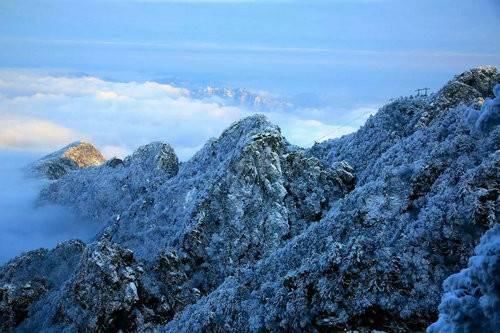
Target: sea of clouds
column 24, row 225
column 41, row 112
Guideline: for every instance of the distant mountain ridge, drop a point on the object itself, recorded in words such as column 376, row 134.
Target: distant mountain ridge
column 257, row 101
column 255, row 234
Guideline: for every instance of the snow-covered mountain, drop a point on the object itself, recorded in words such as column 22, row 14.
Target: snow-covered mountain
column 254, row 234
column 258, row 101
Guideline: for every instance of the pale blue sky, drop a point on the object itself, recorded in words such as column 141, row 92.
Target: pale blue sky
column 346, row 53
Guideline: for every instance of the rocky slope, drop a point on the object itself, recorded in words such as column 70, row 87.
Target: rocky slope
column 255, row 234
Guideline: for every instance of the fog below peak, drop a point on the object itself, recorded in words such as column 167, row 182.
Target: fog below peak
column 24, row 225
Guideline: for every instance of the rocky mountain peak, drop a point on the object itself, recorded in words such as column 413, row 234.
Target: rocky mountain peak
column 249, row 129
column 76, row 155
column 470, row 87
column 482, row 79
column 155, row 156
column 84, row 154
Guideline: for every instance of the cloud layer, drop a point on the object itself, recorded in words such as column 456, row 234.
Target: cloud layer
column 30, row 133
column 23, row 225
column 42, row 112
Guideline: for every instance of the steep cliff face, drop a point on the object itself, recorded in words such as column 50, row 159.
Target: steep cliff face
column 255, row 234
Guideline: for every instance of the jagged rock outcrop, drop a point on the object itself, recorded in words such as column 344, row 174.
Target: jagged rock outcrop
column 72, row 157
column 103, row 293
column 154, row 157
column 15, row 301
column 254, row 234
column 32, row 276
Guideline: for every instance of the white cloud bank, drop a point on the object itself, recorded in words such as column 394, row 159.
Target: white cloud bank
column 24, row 225
column 43, row 112
column 28, row 133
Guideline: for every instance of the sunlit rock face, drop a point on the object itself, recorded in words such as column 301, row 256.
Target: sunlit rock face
column 77, row 155
column 255, row 234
